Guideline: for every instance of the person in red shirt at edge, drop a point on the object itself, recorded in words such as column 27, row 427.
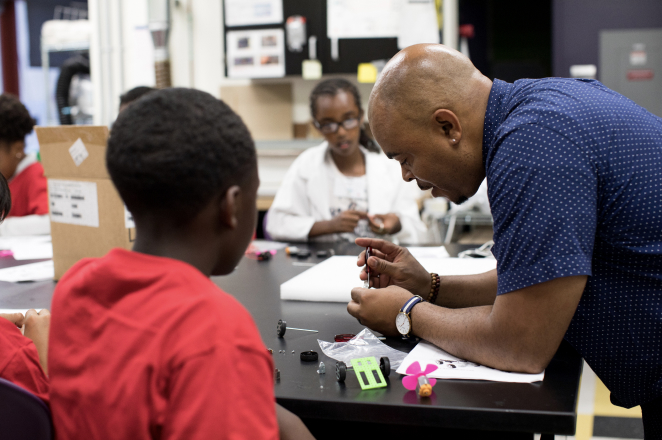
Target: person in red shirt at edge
column 27, row 184
column 143, row 345
column 23, row 357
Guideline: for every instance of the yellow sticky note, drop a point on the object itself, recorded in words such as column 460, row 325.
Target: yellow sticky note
column 311, row 69
column 367, row 73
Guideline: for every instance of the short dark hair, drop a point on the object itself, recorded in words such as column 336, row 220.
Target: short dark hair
column 173, row 151
column 135, row 93
column 15, row 120
column 5, row 198
column 331, row 87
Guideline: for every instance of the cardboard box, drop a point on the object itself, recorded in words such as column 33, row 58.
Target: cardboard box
column 88, row 217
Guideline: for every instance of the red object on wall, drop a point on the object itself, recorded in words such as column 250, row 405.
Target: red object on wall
column 8, row 47
column 640, row 74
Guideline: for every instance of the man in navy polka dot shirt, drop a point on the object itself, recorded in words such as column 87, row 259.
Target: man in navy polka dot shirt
column 574, row 176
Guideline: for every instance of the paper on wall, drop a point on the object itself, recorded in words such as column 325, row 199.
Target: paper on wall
column 362, row 18
column 74, row 202
column 43, row 270
column 333, row 279
column 256, row 53
column 417, row 23
column 451, row 367
column 253, row 12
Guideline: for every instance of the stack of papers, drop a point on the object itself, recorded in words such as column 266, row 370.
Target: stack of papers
column 451, row 367
column 333, row 279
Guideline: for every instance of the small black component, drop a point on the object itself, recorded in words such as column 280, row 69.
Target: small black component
column 341, row 371
column 321, row 254
column 385, row 366
column 277, row 375
column 264, row 256
column 308, row 356
column 280, row 328
column 303, row 254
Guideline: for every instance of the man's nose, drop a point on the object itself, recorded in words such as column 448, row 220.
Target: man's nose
column 407, row 175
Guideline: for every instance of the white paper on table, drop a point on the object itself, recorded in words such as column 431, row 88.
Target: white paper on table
column 428, row 252
column 333, row 279
column 256, row 53
column 28, row 272
column 451, row 367
column 8, row 243
column 33, row 251
column 253, row 12
column 266, row 245
column 418, row 23
column 362, row 18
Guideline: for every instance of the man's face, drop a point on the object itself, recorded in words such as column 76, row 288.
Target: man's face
column 427, row 155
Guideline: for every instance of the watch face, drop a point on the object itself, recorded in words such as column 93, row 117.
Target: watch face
column 402, row 323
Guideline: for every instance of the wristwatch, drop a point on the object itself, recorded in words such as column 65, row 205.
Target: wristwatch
column 403, row 319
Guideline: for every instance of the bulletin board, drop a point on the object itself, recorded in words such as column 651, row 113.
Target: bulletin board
column 351, row 51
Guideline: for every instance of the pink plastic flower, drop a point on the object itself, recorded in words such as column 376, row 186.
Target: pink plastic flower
column 414, row 371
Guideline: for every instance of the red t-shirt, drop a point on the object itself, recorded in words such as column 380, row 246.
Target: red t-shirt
column 19, row 361
column 29, row 192
column 146, row 347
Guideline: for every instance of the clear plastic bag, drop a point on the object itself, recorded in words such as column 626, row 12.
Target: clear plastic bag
column 362, row 345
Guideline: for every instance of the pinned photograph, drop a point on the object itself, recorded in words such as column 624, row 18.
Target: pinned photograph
column 269, row 41
column 244, row 43
column 269, row 59
column 243, row 61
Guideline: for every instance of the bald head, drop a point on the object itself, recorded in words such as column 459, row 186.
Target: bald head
column 424, row 77
column 427, row 111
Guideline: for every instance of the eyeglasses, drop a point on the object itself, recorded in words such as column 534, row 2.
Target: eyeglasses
column 332, row 127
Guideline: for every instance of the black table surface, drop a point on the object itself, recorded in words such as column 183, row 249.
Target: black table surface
column 544, row 407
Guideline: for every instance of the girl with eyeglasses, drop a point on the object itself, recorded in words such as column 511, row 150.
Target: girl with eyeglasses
column 344, row 187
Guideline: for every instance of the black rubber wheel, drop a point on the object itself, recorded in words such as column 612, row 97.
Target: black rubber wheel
column 280, row 328
column 341, row 371
column 385, row 366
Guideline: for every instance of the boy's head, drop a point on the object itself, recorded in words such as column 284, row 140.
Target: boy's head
column 15, row 124
column 185, row 165
column 133, row 95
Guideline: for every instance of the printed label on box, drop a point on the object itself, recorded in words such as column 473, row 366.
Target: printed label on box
column 128, row 219
column 78, row 152
column 74, row 202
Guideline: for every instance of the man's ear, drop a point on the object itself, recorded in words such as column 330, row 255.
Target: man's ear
column 230, row 207
column 449, row 125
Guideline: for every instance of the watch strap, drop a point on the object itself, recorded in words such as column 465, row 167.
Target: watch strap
column 411, row 302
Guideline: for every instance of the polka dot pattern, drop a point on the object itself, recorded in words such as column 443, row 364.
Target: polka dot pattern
column 574, row 174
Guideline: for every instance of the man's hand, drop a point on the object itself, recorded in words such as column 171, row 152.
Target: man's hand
column 16, row 318
column 37, row 326
column 377, row 308
column 395, row 267
column 385, row 223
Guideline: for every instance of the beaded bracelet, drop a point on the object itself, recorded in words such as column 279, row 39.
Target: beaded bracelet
column 435, row 280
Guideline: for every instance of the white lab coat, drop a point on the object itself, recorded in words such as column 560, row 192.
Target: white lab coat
column 303, row 197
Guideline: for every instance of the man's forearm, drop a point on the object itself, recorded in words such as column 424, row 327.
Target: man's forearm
column 520, row 332
column 467, row 290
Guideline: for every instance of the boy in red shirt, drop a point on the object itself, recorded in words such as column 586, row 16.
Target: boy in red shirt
column 143, row 344
column 22, row 357
column 28, row 186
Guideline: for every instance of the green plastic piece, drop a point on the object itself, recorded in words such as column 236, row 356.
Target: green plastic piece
column 368, row 372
